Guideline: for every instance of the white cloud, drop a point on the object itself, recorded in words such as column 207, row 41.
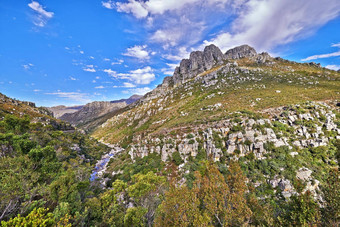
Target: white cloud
column 99, row 87
column 170, row 69
column 119, row 62
column 126, row 84
column 91, row 57
column 138, row 91
column 333, row 67
column 134, row 7
column 329, row 55
column 82, row 52
column 181, row 54
column 141, row 9
column 267, row 24
column 110, row 72
column 264, row 24
column 89, row 68
column 106, row 59
column 108, row 4
column 27, row 66
column 138, row 76
column 72, row 78
column 139, row 52
column 334, row 54
column 42, row 16
column 36, row 90
column 336, row 45
column 74, row 96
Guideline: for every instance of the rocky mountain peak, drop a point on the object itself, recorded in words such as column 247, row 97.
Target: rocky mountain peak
column 241, row 52
column 198, row 62
column 203, row 61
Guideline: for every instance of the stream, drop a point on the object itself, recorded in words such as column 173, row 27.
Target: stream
column 102, row 163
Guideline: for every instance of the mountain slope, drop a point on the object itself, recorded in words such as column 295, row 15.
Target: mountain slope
column 45, row 164
column 86, row 116
column 235, row 128
column 209, row 84
column 59, row 111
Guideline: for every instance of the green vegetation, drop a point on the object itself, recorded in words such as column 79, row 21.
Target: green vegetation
column 43, row 172
column 46, row 164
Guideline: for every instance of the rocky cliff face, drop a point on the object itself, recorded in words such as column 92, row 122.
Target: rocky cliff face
column 290, row 130
column 92, row 111
column 197, row 63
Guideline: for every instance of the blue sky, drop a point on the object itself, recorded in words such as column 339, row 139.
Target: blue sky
column 73, row 52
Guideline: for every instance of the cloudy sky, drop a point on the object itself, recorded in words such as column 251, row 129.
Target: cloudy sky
column 73, row 52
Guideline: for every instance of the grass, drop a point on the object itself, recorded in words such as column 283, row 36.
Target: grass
column 296, row 83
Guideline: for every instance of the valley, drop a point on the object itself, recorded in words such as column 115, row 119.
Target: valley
column 246, row 138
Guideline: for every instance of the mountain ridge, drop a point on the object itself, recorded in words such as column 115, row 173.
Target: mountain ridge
column 80, row 115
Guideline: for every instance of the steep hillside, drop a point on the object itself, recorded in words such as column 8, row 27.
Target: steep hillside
column 209, row 85
column 236, row 128
column 19, row 108
column 45, row 165
column 91, row 111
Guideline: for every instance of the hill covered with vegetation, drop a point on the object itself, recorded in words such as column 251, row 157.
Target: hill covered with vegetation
column 231, row 139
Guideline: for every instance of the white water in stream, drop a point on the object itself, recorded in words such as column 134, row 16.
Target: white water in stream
column 102, row 163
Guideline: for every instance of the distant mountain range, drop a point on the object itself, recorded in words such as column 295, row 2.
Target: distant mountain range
column 80, row 115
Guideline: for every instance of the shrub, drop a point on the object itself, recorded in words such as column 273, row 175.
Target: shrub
column 176, row 158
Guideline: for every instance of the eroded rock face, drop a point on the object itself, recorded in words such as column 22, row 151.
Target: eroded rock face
column 241, row 52
column 197, row 63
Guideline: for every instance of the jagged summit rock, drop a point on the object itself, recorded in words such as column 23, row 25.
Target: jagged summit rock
column 198, row 62
column 241, row 52
column 202, row 61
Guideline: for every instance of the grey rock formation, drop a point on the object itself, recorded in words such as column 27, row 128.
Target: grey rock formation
column 91, row 111
column 263, row 58
column 241, row 52
column 197, row 63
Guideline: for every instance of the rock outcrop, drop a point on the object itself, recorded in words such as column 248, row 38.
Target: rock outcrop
column 241, row 52
column 197, row 63
column 210, row 59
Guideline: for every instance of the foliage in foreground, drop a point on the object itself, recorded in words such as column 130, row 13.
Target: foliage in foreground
column 45, row 183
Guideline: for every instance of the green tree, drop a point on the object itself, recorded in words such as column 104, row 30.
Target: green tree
column 38, row 217
column 240, row 212
column 147, row 192
column 301, row 210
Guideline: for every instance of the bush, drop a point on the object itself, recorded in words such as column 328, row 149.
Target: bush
column 176, row 158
